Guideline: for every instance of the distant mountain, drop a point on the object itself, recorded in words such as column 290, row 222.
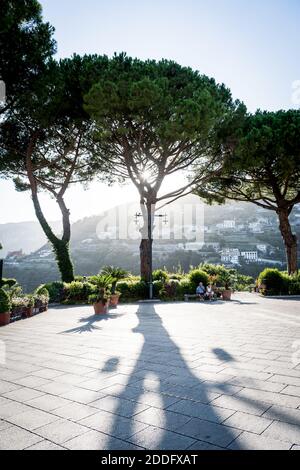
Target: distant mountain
column 26, row 236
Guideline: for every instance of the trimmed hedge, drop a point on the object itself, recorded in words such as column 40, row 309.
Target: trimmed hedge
column 274, row 282
column 196, row 276
column 5, row 304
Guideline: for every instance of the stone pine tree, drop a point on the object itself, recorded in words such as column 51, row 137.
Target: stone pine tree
column 155, row 119
column 46, row 145
column 26, row 44
column 263, row 168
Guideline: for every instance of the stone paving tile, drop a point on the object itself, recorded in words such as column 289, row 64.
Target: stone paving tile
column 32, row 419
column 248, row 422
column 47, row 373
column 117, row 426
column 45, row 445
column 56, row 388
column 10, row 408
column 201, row 445
column 15, row 438
column 291, row 390
column 8, row 386
column 23, row 394
column 156, row 400
column 270, row 397
column 31, row 381
column 282, row 413
column 162, row 418
column 213, row 433
column 257, row 384
column 94, row 440
column 61, row 431
column 75, row 411
column 215, row 414
column 250, row 441
column 4, row 425
column 239, row 403
column 285, row 379
column 283, row 432
column 119, row 406
column 48, row 402
column 160, row 439
column 82, row 396
column 71, row 379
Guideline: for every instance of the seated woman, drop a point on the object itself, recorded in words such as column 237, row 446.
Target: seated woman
column 200, row 291
column 209, row 292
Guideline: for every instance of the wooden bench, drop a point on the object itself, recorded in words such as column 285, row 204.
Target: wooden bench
column 187, row 297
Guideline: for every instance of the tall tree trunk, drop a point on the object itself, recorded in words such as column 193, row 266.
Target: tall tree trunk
column 290, row 241
column 60, row 246
column 146, row 244
column 145, row 260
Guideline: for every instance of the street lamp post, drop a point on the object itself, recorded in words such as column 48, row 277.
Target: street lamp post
column 1, row 271
column 150, row 244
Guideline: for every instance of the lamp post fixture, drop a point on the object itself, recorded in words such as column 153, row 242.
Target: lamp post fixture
column 150, row 238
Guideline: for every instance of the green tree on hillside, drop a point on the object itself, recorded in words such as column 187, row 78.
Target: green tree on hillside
column 263, row 167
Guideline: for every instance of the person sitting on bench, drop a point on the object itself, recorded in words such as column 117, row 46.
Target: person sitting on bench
column 209, row 292
column 200, row 291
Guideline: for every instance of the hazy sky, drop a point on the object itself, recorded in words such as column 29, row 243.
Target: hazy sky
column 252, row 47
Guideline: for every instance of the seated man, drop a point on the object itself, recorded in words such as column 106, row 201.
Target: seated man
column 200, row 291
column 209, row 292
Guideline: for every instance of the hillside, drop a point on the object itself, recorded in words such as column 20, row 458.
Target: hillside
column 192, row 234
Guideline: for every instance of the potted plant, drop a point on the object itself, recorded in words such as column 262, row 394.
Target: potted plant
column 100, row 302
column 41, row 299
column 116, row 274
column 5, row 307
column 30, row 306
column 225, row 279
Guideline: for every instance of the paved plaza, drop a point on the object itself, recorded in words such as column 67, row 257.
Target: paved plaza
column 154, row 376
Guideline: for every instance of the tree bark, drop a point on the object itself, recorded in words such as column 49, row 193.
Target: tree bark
column 147, row 242
column 60, row 247
column 290, row 241
column 145, row 260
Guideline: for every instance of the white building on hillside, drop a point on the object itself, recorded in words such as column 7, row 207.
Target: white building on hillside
column 249, row 255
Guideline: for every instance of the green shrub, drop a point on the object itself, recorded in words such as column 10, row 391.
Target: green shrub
column 42, row 291
column 157, row 287
column 8, row 282
column 274, row 281
column 133, row 290
column 170, row 289
column 79, row 292
column 196, row 276
column 5, row 304
column 160, row 275
column 56, row 291
column 185, row 286
column 294, row 286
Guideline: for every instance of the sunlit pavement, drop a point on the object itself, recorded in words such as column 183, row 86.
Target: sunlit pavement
column 155, row 376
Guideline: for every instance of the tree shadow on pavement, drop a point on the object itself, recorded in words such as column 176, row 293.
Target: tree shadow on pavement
column 180, row 414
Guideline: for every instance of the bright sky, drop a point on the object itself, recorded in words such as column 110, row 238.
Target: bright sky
column 252, row 47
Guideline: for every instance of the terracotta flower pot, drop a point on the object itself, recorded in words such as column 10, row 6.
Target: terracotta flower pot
column 100, row 308
column 4, row 318
column 29, row 312
column 114, row 300
column 226, row 294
